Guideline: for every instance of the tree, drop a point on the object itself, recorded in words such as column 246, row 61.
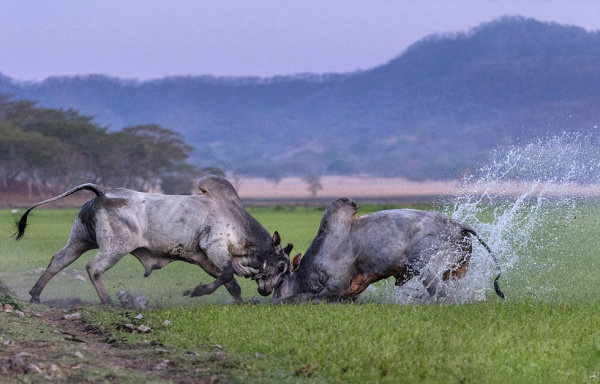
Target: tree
column 53, row 149
column 314, row 183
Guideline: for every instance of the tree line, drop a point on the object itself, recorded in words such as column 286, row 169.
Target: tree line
column 54, row 149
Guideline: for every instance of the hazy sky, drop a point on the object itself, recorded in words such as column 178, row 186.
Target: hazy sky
column 151, row 39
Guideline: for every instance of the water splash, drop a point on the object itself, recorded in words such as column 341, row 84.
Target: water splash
column 514, row 203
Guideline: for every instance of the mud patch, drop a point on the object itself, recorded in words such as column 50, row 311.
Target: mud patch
column 68, row 303
column 44, row 347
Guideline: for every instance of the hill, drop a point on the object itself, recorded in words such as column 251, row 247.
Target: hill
column 430, row 113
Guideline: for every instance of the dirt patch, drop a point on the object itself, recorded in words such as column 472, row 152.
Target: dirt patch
column 43, row 346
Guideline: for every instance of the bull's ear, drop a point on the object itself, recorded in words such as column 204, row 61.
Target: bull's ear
column 296, row 262
column 276, row 239
column 288, row 249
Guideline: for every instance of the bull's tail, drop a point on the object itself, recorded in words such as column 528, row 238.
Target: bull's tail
column 22, row 224
column 487, row 247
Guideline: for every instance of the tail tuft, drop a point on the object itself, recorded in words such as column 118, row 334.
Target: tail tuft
column 497, row 288
column 21, row 225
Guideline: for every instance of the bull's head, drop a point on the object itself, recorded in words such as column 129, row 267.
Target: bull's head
column 287, row 287
column 274, row 267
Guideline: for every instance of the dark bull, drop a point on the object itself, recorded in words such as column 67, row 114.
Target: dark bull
column 350, row 252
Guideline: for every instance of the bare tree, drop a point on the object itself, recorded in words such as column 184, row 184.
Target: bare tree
column 314, row 183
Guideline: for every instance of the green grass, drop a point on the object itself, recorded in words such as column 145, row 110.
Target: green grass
column 547, row 331
column 477, row 343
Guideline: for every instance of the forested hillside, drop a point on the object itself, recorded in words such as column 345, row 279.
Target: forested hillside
column 430, row 113
column 52, row 150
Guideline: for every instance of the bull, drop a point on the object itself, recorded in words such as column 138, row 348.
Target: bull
column 210, row 228
column 350, row 252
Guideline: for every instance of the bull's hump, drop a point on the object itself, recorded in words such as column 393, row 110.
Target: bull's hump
column 216, row 186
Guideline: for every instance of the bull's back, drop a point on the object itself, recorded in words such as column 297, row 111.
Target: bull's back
column 383, row 240
column 152, row 220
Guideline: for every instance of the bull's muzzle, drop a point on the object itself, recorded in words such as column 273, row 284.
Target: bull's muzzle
column 263, row 291
column 256, row 277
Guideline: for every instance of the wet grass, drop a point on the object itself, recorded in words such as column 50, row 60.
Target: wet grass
column 547, row 331
column 523, row 342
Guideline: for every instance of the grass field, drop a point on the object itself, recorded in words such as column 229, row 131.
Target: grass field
column 547, row 331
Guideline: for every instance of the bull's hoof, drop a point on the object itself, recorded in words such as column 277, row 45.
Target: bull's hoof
column 200, row 290
column 34, row 300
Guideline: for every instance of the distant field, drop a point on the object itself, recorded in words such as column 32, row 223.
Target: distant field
column 547, row 331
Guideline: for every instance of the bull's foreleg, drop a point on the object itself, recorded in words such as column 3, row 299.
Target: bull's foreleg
column 234, row 290
column 226, row 277
column 96, row 267
column 60, row 261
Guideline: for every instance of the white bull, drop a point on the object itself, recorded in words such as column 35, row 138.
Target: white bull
column 211, row 229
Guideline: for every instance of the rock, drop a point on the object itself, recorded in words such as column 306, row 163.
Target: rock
column 128, row 327
column 144, row 329
column 72, row 316
column 161, row 366
column 139, row 316
column 32, row 368
column 131, row 300
column 259, row 355
column 19, row 360
column 20, row 363
column 19, row 313
column 53, row 373
column 78, row 354
column 8, row 308
column 166, row 323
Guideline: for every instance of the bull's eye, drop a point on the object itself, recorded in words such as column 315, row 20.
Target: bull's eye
column 281, row 266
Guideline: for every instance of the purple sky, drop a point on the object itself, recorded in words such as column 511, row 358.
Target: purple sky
column 152, row 39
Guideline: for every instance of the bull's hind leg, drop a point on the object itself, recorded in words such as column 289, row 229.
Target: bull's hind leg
column 458, row 270
column 451, row 261
column 60, row 261
column 96, row 267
